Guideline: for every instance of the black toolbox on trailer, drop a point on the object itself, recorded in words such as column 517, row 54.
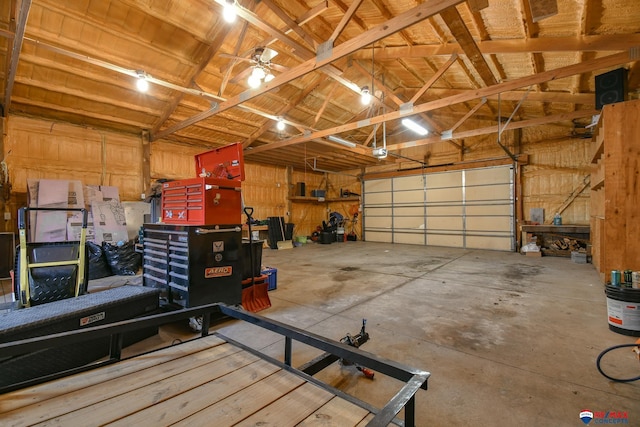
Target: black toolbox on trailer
column 101, row 308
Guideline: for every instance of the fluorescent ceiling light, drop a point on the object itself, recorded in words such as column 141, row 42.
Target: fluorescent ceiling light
column 415, row 127
column 341, row 141
column 229, row 11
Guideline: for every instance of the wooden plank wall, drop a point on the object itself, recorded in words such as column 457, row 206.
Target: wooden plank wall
column 43, row 149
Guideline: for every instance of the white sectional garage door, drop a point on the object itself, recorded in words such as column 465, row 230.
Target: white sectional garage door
column 471, row 208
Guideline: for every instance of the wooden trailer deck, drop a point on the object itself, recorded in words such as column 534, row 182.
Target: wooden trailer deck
column 207, row 381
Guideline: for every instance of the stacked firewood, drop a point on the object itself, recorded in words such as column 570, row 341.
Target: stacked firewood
column 567, row 244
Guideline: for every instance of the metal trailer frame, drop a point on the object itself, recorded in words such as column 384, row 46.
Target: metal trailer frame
column 414, row 379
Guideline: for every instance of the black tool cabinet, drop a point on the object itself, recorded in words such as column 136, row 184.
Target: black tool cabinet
column 194, row 265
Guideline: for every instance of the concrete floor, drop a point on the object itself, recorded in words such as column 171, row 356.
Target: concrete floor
column 509, row 340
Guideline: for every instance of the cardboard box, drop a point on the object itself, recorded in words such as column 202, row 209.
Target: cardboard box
column 109, row 222
column 74, row 227
column 534, row 254
column 52, row 193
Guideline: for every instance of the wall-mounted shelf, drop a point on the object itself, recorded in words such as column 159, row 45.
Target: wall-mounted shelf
column 324, row 199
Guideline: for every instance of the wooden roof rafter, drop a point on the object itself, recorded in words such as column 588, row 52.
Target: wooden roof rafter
column 432, row 79
column 303, row 19
column 570, row 70
column 284, row 109
column 408, row 18
column 496, row 128
column 453, row 20
column 236, row 51
column 389, row 94
column 584, row 43
column 14, row 53
column 293, row 25
column 345, row 20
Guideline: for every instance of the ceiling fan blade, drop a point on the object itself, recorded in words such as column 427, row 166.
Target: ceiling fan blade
column 237, row 58
column 242, row 75
column 267, row 54
column 280, row 68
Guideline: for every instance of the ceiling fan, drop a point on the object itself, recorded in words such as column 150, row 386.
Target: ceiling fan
column 261, row 67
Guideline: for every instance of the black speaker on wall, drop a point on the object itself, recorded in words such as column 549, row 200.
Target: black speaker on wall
column 611, row 87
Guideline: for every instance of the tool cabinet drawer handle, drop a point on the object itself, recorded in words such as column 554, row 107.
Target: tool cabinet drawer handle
column 221, row 230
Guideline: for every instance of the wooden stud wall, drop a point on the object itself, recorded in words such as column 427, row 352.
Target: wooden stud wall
column 43, row 149
column 36, row 149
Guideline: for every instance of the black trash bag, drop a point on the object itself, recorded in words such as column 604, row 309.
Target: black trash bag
column 122, row 258
column 98, row 266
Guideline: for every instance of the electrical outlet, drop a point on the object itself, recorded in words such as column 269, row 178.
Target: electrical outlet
column 143, row 196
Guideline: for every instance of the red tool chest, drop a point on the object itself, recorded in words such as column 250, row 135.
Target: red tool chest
column 214, row 197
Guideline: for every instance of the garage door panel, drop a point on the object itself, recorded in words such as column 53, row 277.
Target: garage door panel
column 377, row 211
column 408, row 223
column 417, row 238
column 380, row 222
column 498, row 209
column 486, row 242
column 488, row 176
column 445, row 179
column 415, row 182
column 446, row 210
column 377, row 185
column 469, row 208
column 488, row 224
column 409, row 211
column 451, row 241
column 408, row 196
column 444, row 223
column 380, row 236
column 440, row 195
column 491, row 192
column 378, row 199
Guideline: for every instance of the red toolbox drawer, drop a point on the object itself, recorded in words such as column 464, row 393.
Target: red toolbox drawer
column 202, row 201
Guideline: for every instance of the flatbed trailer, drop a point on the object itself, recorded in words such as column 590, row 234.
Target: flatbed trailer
column 209, row 380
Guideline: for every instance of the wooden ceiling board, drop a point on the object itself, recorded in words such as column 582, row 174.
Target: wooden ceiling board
column 78, row 62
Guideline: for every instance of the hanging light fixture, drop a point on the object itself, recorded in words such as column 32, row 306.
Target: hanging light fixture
column 142, row 84
column 258, row 72
column 229, row 11
column 254, row 81
column 280, row 125
column 415, row 127
column 365, row 95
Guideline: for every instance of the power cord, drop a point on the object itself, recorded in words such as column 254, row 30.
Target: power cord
column 615, row 347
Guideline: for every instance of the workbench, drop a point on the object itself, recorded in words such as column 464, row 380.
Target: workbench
column 263, row 231
column 210, row 380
